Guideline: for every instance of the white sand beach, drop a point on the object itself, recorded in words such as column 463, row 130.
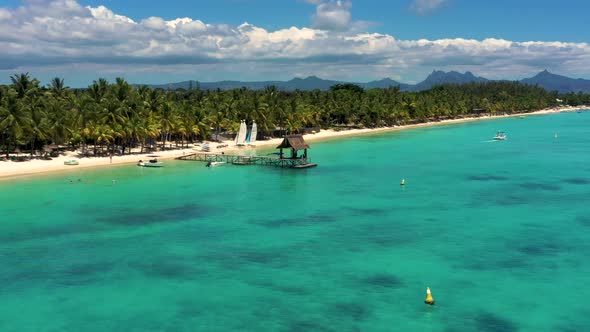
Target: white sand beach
column 12, row 169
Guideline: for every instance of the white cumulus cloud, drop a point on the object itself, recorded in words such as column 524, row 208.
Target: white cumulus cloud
column 46, row 36
column 332, row 15
column 4, row 14
column 155, row 23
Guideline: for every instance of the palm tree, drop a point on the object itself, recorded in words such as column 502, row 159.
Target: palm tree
column 202, row 128
column 122, row 90
column 217, row 119
column 57, row 87
column 98, row 89
column 57, row 117
column 260, row 114
column 104, row 134
column 23, row 84
column 135, row 130
column 14, row 119
column 167, row 121
column 113, row 116
column 38, row 124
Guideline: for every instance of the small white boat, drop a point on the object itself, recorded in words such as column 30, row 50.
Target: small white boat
column 215, row 163
column 151, row 163
column 500, row 136
column 205, row 147
column 157, row 164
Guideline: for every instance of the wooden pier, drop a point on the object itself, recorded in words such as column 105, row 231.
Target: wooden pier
column 293, row 142
column 249, row 160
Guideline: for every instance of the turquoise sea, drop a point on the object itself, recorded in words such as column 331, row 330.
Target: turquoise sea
column 500, row 231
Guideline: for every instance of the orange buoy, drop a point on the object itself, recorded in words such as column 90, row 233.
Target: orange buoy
column 429, row 299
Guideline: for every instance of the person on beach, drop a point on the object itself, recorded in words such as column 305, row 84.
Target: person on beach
column 111, row 158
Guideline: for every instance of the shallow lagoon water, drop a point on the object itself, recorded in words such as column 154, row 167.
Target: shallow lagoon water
column 498, row 230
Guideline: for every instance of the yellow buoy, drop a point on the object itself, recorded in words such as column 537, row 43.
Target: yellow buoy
column 429, row 298
column 403, row 183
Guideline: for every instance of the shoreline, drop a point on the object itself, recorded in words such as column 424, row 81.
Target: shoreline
column 36, row 167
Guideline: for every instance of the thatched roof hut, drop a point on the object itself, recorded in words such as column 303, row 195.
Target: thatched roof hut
column 295, row 143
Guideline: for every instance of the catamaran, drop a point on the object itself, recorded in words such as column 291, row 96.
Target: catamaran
column 241, row 137
column 252, row 134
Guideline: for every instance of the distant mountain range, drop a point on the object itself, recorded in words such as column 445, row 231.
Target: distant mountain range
column 552, row 82
column 545, row 79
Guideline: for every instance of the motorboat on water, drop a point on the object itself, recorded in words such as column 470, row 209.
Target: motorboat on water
column 215, row 163
column 156, row 164
column 150, row 163
column 500, row 136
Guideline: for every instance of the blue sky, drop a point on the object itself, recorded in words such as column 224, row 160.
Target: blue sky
column 518, row 20
column 355, row 40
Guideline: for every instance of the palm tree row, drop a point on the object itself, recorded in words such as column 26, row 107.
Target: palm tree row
column 115, row 117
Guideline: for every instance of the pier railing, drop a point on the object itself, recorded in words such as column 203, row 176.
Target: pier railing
column 248, row 160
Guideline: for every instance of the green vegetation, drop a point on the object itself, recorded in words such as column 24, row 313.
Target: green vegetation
column 112, row 118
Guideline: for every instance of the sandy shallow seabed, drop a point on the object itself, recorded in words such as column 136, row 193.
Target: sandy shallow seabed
column 10, row 169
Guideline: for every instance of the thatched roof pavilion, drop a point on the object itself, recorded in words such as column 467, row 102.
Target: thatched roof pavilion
column 295, row 143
